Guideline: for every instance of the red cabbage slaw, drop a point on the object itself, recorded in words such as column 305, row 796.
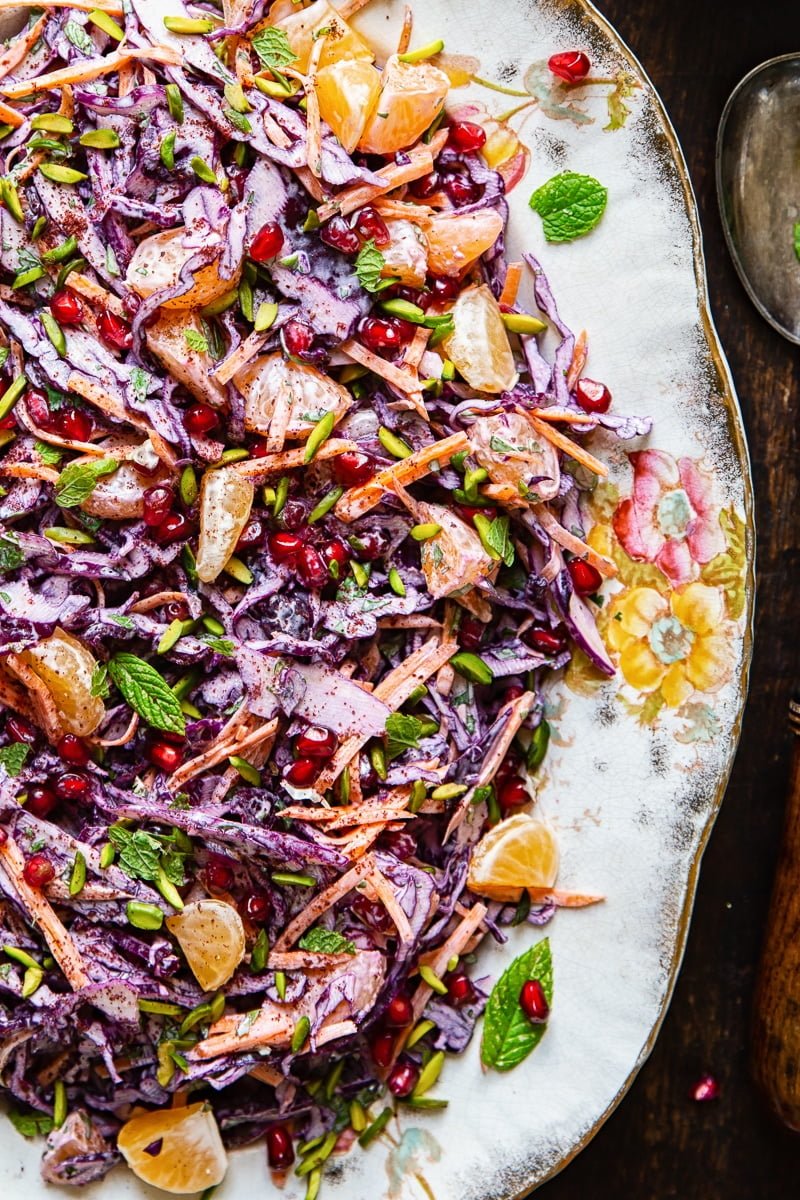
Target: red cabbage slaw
column 285, row 569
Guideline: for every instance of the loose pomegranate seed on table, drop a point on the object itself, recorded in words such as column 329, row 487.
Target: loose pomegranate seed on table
column 200, row 418
column 369, row 224
column 72, row 750
column 267, row 243
column 38, row 871
column 41, row 801
column 570, row 65
column 466, row 136
column 302, row 772
column 72, row 786
column 114, row 330
column 586, row 579
column 157, row 503
column 280, row 1151
column 338, row 234
column 399, row 1012
column 284, row 547
column 21, row 730
column 592, row 396
column 381, row 1048
column 403, row 1078
column 66, row 307
column 353, row 468
column 316, row 742
column 164, row 755
column 74, row 423
column 533, row 1002
column 707, row 1088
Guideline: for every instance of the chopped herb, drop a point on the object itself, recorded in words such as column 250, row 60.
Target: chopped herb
column 147, row 692
column 273, row 49
column 196, row 341
column 78, row 480
column 369, row 264
column 326, row 941
column 13, row 757
column 76, row 34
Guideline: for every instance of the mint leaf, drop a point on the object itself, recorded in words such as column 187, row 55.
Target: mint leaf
column 402, row 733
column 326, row 941
column 369, row 264
column 196, row 341
column 147, row 692
column 11, row 556
column 273, row 49
column 30, row 1124
column 79, row 479
column 498, row 537
column 221, row 645
column 99, row 682
column 13, row 757
column 121, row 619
column 140, row 382
column 139, row 856
column 4, row 353
column 570, row 205
column 172, row 866
column 508, row 1035
column 50, row 455
column 500, row 445
column 79, row 37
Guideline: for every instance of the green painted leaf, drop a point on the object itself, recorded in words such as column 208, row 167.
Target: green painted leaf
column 326, row 941
column 369, row 265
column 13, row 757
column 78, row 480
column 570, row 205
column 147, row 692
column 508, row 1035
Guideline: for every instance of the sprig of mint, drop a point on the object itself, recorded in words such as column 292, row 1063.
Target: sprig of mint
column 13, row 757
column 79, row 37
column 139, row 853
column 402, row 733
column 498, row 536
column 11, row 556
column 326, row 941
column 147, row 692
column 273, row 49
column 570, row 205
column 50, row 455
column 79, row 479
column 508, row 1035
column 196, row 341
column 369, row 264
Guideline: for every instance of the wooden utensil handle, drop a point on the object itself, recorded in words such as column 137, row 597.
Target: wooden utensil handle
column 776, row 1025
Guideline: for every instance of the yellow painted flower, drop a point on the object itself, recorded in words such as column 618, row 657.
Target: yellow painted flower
column 678, row 644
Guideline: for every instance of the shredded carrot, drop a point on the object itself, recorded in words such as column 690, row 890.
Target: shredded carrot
column 579, row 356
column 148, row 603
column 454, row 945
column 325, row 900
column 46, row 714
column 91, row 390
column 569, row 447
column 513, row 279
column 562, row 899
column 566, row 415
column 403, row 380
column 91, row 290
column 405, row 32
column 569, row 541
column 358, row 500
column 108, row 6
column 246, row 350
column 306, row 960
column 53, row 439
column 265, row 1074
column 29, row 471
column 86, row 69
column 446, row 674
column 388, row 899
column 41, row 913
column 123, row 738
column 10, row 116
column 281, row 412
column 401, row 210
column 420, row 162
column 12, row 696
column 216, row 753
column 349, row 8
column 287, row 460
column 412, row 621
column 417, row 347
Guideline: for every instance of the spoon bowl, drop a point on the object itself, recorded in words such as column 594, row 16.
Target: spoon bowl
column 758, row 187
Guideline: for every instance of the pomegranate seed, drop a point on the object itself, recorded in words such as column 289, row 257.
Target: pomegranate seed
column 399, row 1012
column 586, row 579
column 470, row 633
column 425, row 186
column 533, row 1002
column 219, row 875
column 462, row 190
column 316, row 742
column 258, row 907
column 66, row 307
column 3, row 836
column 72, row 750
column 312, row 569
column 335, row 551
column 468, row 512
column 20, row 730
column 72, row 786
column 302, row 772
column 284, row 547
column 382, row 1048
column 402, row 1079
column 267, row 242
column 444, row 288
column 370, row 224
column 380, row 335
column 174, row 527
column 36, row 404
column 165, row 756
column 509, row 766
column 251, row 535
column 199, row 418
column 298, row 337
column 338, row 234
column 371, row 912
column 353, row 468
column 512, row 794
column 176, row 610
column 41, row 801
column 570, row 65
column 294, row 515
column 10, row 421
column 466, row 136
column 368, row 546
column 258, row 448
column 38, row 870
column 75, row 424
column 593, row 397
column 706, row 1088
column 157, row 504
column 280, row 1151
column 114, row 330
column 546, row 641
column 459, row 989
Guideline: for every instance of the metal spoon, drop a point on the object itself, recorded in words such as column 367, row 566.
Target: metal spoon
column 758, row 187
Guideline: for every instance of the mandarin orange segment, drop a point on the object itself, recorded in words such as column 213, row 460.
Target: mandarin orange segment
column 340, row 42
column 348, row 91
column 520, row 852
column 411, row 97
column 189, row 1157
column 478, row 345
column 211, row 936
column 455, row 240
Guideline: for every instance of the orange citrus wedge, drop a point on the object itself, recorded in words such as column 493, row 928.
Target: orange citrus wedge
column 521, row 852
column 157, row 263
column 479, row 344
column 341, row 41
column 190, row 1157
column 348, row 91
column 211, row 936
column 412, row 95
column 455, row 240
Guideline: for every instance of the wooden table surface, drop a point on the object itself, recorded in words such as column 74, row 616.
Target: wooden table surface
column 659, row 1144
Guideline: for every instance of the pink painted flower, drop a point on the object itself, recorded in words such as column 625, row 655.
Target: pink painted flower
column 671, row 519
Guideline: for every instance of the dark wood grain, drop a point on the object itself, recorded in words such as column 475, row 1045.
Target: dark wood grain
column 659, row 1144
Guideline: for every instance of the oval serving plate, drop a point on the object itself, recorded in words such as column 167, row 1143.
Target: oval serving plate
column 638, row 765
